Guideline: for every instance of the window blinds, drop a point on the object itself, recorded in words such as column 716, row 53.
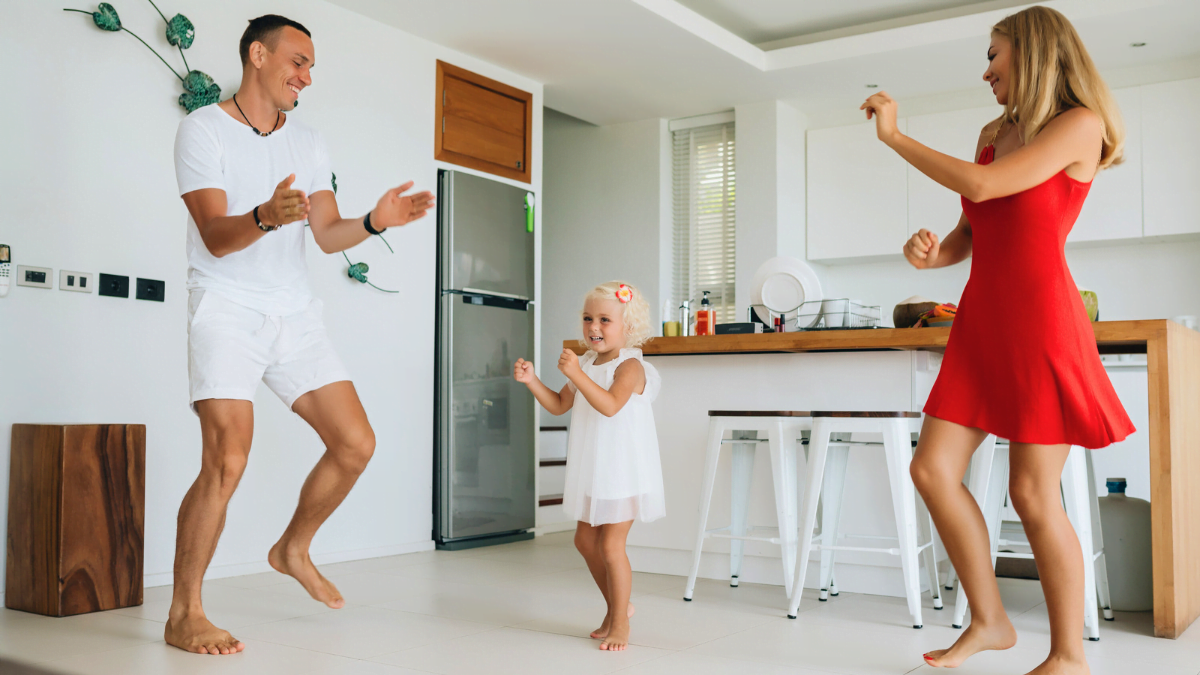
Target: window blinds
column 703, row 246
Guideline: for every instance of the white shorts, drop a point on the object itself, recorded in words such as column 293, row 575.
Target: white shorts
column 231, row 348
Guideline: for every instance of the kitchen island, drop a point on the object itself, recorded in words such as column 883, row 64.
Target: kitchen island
column 891, row 369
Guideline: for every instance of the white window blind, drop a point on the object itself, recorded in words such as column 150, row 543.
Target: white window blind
column 703, row 255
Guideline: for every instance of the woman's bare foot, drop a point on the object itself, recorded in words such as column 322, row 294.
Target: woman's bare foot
column 602, row 632
column 1055, row 665
column 618, row 637
column 299, row 566
column 976, row 638
column 196, row 634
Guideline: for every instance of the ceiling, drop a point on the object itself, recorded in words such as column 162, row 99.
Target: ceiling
column 612, row 61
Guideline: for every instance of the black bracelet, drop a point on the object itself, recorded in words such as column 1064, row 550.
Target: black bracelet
column 259, row 223
column 367, row 224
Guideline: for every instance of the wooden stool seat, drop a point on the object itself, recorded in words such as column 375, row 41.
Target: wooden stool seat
column 759, row 413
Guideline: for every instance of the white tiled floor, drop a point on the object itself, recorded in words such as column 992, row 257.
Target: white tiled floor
column 527, row 608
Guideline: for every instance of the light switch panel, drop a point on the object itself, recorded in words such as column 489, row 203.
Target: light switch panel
column 38, row 277
column 80, row 282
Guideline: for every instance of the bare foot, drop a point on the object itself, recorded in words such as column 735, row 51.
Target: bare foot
column 602, row 632
column 196, row 634
column 1054, row 665
column 299, row 566
column 976, row 638
column 618, row 637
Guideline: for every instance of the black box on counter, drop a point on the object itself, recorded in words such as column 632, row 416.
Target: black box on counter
column 741, row 328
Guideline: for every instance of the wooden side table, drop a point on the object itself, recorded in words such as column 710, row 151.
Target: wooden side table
column 76, row 516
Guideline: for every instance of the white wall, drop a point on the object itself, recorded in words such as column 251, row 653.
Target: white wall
column 89, row 124
column 603, row 208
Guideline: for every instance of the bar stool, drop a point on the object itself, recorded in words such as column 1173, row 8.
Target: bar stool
column 897, row 429
column 989, row 486
column 784, row 430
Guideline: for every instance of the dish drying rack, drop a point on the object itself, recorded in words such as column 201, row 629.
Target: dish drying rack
column 830, row 314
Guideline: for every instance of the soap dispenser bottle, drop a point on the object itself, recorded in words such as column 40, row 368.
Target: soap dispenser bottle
column 706, row 318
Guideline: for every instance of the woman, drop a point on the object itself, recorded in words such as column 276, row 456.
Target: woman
column 1037, row 382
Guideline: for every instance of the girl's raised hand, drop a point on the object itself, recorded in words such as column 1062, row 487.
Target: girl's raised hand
column 568, row 363
column 523, row 371
column 883, row 108
column 922, row 250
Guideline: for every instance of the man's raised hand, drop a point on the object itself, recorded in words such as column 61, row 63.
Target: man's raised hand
column 286, row 205
column 396, row 208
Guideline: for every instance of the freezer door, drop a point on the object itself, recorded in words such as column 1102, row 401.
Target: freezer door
column 486, row 418
column 485, row 245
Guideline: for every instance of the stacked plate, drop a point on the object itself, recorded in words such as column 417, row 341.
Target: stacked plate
column 781, row 285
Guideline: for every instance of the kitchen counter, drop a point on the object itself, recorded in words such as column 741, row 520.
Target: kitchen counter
column 1173, row 374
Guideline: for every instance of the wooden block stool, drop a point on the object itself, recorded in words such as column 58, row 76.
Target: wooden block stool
column 783, row 430
column 897, row 429
column 76, row 511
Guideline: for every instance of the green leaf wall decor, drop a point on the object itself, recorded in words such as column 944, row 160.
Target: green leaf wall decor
column 106, row 18
column 180, row 31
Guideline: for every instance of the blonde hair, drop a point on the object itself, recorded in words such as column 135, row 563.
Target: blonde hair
column 635, row 314
column 1052, row 73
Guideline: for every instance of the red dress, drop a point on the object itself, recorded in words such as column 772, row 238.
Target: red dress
column 1022, row 361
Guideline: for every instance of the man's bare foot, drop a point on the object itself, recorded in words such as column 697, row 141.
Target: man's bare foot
column 1055, row 665
column 976, row 638
column 602, row 632
column 299, row 566
column 618, row 637
column 198, row 635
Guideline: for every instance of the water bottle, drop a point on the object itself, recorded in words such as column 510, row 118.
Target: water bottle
column 1125, row 524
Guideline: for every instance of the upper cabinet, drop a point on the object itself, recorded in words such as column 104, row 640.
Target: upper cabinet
column 483, row 124
column 857, row 194
column 932, row 206
column 1171, row 155
column 1113, row 208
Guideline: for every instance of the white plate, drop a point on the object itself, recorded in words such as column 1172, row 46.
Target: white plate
column 781, row 284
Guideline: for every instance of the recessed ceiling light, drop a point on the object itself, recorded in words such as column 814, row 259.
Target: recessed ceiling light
column 872, row 86
column 1137, row 44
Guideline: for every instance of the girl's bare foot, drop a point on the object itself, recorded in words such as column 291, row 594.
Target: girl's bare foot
column 976, row 638
column 299, row 566
column 196, row 634
column 1055, row 665
column 602, row 632
column 618, row 637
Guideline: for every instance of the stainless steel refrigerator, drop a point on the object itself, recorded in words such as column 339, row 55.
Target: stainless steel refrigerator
column 484, row 432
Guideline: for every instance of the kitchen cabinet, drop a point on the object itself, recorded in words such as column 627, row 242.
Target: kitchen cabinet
column 956, row 133
column 857, row 194
column 1113, row 208
column 483, row 124
column 1171, row 157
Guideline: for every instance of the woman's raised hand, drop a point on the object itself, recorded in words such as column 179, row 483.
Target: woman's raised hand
column 883, row 108
column 523, row 371
column 922, row 250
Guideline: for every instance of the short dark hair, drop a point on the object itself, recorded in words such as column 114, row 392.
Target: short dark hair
column 264, row 29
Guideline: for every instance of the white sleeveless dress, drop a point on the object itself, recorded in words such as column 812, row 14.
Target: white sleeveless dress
column 613, row 469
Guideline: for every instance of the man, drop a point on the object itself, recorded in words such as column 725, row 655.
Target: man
column 250, row 176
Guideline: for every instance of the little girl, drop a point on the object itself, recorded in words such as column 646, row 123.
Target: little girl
column 613, row 470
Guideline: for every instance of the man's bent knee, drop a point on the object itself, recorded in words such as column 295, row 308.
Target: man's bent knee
column 354, row 450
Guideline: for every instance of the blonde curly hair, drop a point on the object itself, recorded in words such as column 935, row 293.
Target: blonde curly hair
column 635, row 313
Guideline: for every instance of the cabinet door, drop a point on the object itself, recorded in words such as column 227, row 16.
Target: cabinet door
column 1171, row 171
column 1113, row 209
column 956, row 133
column 857, row 194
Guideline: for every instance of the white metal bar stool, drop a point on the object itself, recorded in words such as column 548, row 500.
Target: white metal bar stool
column 989, row 485
column 897, row 429
column 783, row 430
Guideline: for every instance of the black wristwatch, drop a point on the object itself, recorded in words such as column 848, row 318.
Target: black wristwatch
column 367, row 224
column 259, row 223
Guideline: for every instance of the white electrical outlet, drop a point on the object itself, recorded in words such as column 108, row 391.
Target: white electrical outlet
column 38, row 277
column 80, row 282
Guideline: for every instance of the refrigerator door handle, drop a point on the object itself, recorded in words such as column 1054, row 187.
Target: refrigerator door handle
column 476, row 291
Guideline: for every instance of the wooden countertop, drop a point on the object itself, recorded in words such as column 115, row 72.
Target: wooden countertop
column 1112, row 337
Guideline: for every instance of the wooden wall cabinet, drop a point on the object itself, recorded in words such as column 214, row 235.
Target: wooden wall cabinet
column 483, row 124
column 76, row 516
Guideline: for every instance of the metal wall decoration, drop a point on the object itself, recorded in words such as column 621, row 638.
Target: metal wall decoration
column 199, row 88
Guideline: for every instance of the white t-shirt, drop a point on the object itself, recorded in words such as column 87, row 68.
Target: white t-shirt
column 212, row 150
